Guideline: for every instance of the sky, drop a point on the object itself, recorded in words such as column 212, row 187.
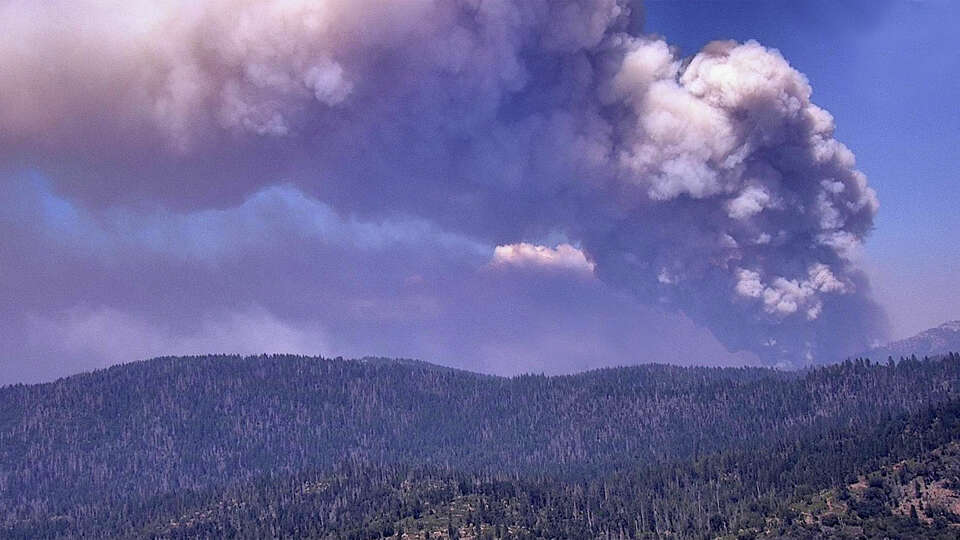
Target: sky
column 498, row 186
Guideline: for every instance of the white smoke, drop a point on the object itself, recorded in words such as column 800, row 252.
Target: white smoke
column 711, row 185
column 564, row 257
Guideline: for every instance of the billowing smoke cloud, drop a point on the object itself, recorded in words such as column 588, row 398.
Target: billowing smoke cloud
column 709, row 185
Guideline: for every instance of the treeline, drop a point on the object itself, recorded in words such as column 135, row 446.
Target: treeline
column 116, row 443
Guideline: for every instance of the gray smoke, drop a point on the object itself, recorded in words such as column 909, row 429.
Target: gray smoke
column 709, row 185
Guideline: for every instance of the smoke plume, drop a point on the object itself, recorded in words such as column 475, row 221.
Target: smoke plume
column 708, row 185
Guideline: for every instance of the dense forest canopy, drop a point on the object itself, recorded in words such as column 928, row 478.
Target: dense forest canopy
column 187, row 431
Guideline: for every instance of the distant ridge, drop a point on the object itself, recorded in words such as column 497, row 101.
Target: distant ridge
column 940, row 340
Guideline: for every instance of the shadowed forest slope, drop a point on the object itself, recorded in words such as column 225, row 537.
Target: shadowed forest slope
column 181, row 427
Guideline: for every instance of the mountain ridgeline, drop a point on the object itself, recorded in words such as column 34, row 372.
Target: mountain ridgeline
column 934, row 341
column 333, row 448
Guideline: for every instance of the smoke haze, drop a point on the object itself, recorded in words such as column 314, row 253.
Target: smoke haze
column 708, row 186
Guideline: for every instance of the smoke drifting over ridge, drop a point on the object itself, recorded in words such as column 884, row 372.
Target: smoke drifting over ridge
column 709, row 185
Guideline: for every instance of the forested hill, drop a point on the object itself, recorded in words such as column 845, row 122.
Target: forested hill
column 108, row 439
column 893, row 481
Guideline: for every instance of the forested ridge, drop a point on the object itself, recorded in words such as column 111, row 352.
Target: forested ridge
column 326, row 447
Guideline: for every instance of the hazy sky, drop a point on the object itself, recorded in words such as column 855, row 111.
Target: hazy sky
column 501, row 186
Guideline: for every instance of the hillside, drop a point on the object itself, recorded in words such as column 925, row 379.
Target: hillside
column 782, row 492
column 917, row 497
column 173, row 429
column 636, row 502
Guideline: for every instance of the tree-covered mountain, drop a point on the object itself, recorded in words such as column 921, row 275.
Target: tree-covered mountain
column 898, row 488
column 329, row 446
